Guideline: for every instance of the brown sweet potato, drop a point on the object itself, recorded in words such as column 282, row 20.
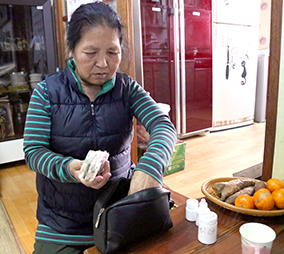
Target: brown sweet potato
column 218, row 187
column 234, row 186
column 247, row 190
column 259, row 185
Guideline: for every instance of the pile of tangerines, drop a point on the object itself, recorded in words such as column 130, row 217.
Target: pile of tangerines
column 267, row 198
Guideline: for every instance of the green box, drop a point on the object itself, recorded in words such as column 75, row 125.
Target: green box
column 177, row 161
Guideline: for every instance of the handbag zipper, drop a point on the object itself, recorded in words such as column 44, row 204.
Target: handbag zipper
column 99, row 217
column 105, row 204
column 101, row 211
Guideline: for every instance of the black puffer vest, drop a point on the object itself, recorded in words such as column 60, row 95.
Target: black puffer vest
column 79, row 125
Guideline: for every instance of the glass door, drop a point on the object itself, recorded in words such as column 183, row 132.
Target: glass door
column 27, row 52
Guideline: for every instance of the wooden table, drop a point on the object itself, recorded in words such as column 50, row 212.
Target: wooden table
column 182, row 238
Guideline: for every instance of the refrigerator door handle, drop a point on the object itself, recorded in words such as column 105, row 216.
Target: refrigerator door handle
column 177, row 65
column 182, row 70
column 138, row 48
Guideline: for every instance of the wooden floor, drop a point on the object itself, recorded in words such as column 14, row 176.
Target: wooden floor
column 218, row 154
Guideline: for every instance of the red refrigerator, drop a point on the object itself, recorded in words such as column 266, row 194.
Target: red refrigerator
column 173, row 44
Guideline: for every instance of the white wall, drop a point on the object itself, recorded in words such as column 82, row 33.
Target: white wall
column 278, row 160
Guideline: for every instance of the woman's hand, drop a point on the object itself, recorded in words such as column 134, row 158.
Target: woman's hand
column 141, row 181
column 99, row 180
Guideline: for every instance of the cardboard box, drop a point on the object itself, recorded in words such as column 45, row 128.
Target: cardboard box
column 177, row 161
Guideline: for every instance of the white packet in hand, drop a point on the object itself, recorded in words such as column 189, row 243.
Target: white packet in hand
column 93, row 165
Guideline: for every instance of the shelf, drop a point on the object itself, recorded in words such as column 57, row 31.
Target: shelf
column 11, row 138
column 6, row 68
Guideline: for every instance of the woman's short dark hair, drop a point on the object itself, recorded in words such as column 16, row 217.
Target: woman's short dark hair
column 90, row 15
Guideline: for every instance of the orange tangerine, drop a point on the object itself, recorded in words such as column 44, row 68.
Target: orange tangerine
column 274, row 184
column 278, row 196
column 263, row 199
column 244, row 201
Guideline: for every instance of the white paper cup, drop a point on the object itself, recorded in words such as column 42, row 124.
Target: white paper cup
column 257, row 238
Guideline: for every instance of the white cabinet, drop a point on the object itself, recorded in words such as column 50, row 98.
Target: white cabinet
column 11, row 150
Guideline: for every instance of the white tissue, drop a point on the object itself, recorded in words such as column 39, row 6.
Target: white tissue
column 93, row 165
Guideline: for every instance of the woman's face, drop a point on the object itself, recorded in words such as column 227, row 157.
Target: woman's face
column 97, row 55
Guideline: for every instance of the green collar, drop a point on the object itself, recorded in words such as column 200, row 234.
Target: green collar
column 106, row 86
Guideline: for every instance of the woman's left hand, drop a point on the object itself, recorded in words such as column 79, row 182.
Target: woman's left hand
column 141, row 181
column 98, row 182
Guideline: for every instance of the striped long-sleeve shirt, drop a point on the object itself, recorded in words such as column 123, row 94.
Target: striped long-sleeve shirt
column 41, row 159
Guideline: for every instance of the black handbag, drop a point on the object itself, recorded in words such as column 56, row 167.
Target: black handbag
column 120, row 219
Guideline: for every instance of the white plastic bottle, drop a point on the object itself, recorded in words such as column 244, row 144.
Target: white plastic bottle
column 191, row 208
column 202, row 209
column 207, row 228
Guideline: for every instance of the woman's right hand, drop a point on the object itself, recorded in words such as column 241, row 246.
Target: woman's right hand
column 99, row 180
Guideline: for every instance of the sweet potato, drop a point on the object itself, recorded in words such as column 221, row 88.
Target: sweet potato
column 259, row 185
column 218, row 187
column 234, row 186
column 247, row 190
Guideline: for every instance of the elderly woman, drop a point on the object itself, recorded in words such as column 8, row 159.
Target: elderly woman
column 89, row 105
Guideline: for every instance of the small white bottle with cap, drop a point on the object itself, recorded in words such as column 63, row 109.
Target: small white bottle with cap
column 207, row 229
column 191, row 208
column 202, row 209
